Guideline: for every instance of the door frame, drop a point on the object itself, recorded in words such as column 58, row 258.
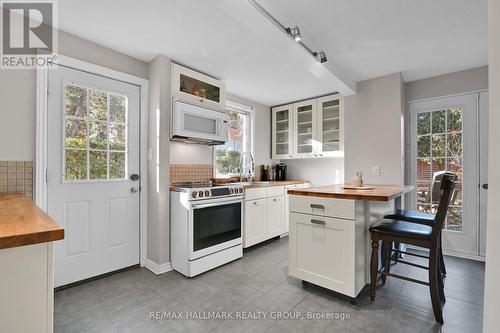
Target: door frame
column 409, row 162
column 41, row 136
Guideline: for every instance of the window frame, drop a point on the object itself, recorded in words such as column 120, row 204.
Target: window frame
column 89, row 180
column 249, row 111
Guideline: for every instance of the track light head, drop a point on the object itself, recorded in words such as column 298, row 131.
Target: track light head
column 295, row 33
column 320, row 56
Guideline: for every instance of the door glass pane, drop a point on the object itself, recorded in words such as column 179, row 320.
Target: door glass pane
column 75, row 164
column 199, row 88
column 94, row 134
column 330, row 123
column 76, row 133
column 304, row 129
column 98, row 105
column 437, row 153
column 117, row 108
column 98, row 164
column 76, row 101
column 282, row 132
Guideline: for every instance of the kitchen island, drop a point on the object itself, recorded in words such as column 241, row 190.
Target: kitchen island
column 329, row 236
column 26, row 265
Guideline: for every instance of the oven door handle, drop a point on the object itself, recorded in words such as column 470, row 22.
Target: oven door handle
column 220, row 203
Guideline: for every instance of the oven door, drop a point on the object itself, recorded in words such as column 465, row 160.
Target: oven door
column 214, row 226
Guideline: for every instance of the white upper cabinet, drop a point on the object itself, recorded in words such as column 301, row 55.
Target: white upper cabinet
column 305, row 127
column 309, row 129
column 190, row 85
column 282, row 138
column 330, row 134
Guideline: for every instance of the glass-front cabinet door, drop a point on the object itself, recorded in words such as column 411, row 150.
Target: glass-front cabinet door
column 188, row 84
column 330, row 126
column 282, row 132
column 305, row 129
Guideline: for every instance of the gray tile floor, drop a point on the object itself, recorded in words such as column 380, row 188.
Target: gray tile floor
column 259, row 283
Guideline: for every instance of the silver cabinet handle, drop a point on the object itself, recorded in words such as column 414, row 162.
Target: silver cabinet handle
column 320, row 222
column 317, row 206
column 276, row 199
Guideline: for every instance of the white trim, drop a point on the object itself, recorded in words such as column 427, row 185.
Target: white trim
column 41, row 134
column 450, row 253
column 452, row 95
column 155, row 268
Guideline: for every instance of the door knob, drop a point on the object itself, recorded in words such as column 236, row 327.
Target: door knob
column 134, row 177
column 485, row 186
column 134, row 189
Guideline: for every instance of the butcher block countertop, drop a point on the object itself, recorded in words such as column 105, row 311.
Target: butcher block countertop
column 23, row 223
column 380, row 193
column 276, row 183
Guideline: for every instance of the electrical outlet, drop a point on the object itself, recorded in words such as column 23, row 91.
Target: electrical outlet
column 375, row 170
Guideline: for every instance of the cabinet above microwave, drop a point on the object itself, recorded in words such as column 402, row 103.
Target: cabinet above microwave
column 190, row 85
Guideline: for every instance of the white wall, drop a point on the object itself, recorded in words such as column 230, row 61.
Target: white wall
column 318, row 171
column 491, row 321
column 374, row 130
column 449, row 84
column 181, row 153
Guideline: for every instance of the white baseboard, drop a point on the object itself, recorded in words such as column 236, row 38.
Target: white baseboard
column 155, row 268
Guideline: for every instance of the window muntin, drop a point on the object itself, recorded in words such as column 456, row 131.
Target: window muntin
column 95, row 126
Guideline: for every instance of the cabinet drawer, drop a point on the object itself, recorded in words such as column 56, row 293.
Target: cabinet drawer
column 275, row 191
column 337, row 208
column 255, row 193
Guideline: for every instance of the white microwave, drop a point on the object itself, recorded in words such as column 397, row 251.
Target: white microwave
column 193, row 123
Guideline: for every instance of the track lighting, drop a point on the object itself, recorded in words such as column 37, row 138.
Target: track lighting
column 321, row 56
column 295, row 33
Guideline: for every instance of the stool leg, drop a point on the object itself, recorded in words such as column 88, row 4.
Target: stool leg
column 383, row 258
column 373, row 267
column 388, row 257
column 437, row 304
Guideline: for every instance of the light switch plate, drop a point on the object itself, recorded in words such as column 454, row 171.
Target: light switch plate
column 375, row 170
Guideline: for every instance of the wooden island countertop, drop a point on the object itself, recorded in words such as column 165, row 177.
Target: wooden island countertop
column 380, row 193
column 23, row 223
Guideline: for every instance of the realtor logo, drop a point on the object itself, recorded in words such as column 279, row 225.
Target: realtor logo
column 28, row 34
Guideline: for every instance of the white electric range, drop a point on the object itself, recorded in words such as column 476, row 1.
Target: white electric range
column 205, row 226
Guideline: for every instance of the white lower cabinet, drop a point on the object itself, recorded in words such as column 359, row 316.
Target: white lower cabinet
column 275, row 216
column 325, row 249
column 255, row 223
column 287, row 203
column 264, row 214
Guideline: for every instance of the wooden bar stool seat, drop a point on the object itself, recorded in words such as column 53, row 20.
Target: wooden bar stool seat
column 391, row 231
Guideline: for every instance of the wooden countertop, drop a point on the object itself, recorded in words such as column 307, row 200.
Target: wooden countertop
column 276, row 183
column 23, row 223
column 380, row 193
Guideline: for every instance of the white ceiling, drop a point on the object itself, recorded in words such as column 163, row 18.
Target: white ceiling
column 229, row 39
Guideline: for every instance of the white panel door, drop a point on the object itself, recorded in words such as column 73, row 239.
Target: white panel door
column 93, row 150
column 255, row 223
column 444, row 137
column 275, row 216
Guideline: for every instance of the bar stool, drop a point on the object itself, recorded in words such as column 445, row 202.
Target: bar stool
column 391, row 231
column 423, row 218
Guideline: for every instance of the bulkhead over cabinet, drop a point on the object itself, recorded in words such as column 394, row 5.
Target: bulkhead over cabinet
column 308, row 129
column 190, row 85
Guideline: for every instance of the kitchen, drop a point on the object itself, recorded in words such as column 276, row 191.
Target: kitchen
column 205, row 181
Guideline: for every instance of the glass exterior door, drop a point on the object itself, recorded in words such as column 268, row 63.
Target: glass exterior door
column 444, row 138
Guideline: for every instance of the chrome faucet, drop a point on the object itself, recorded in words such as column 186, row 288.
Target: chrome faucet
column 245, row 171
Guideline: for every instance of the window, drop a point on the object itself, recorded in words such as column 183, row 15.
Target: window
column 227, row 156
column 95, row 134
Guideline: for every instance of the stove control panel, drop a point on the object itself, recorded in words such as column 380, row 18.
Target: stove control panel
column 216, row 192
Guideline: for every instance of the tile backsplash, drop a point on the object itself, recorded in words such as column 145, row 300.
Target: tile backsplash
column 16, row 176
column 190, row 172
